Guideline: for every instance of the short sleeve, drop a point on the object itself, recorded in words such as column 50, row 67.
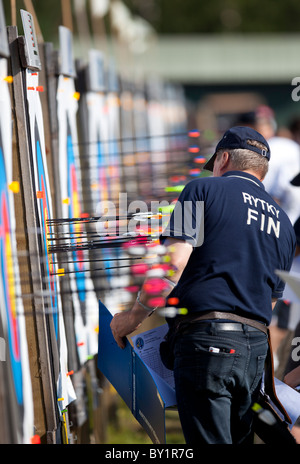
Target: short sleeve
column 280, row 284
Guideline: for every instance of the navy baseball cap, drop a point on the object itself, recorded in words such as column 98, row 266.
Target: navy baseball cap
column 237, row 137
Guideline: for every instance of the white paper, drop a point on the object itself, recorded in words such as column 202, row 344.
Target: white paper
column 146, row 345
column 292, row 279
column 289, row 398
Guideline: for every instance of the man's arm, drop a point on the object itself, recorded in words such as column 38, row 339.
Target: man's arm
column 127, row 322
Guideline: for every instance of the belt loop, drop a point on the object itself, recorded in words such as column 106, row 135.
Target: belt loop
column 245, row 328
column 212, row 328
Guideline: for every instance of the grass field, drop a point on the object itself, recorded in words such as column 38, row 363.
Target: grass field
column 124, row 428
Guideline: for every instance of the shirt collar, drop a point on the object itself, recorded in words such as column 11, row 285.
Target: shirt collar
column 246, row 176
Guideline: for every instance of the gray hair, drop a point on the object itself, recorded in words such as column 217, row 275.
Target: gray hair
column 243, row 159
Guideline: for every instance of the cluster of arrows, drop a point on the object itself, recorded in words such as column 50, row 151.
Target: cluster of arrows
column 84, row 155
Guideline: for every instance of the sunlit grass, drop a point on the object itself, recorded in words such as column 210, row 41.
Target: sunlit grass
column 125, row 429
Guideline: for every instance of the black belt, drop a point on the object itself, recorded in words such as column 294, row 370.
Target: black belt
column 218, row 316
column 231, row 326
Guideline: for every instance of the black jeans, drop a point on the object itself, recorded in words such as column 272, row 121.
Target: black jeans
column 217, row 377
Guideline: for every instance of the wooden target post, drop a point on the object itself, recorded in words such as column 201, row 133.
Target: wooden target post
column 46, row 307
column 16, row 402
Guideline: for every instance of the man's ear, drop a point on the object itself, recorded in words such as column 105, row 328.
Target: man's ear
column 225, row 160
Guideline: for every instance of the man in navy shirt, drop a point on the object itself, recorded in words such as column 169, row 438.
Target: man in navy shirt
column 226, row 238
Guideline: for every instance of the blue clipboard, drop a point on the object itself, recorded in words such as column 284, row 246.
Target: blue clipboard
column 131, row 378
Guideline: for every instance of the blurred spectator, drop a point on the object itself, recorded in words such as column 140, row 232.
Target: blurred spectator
column 286, row 316
column 284, row 164
column 285, row 157
column 294, row 128
column 265, row 122
column 292, row 376
column 283, row 182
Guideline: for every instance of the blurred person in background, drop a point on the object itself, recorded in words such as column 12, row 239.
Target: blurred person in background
column 265, row 122
column 283, row 166
column 286, row 315
column 291, row 362
column 294, row 128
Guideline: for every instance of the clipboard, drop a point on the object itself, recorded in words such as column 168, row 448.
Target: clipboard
column 141, row 389
column 292, row 279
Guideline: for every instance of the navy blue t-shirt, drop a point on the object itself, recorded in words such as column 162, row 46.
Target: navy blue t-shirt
column 240, row 236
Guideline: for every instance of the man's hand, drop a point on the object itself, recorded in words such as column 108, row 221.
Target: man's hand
column 126, row 322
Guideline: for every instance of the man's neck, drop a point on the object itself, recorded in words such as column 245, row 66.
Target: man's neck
column 248, row 171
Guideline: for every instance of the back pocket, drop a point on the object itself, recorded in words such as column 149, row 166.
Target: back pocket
column 258, row 372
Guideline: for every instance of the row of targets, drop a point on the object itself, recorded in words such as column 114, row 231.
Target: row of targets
column 99, row 178
column 136, row 156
